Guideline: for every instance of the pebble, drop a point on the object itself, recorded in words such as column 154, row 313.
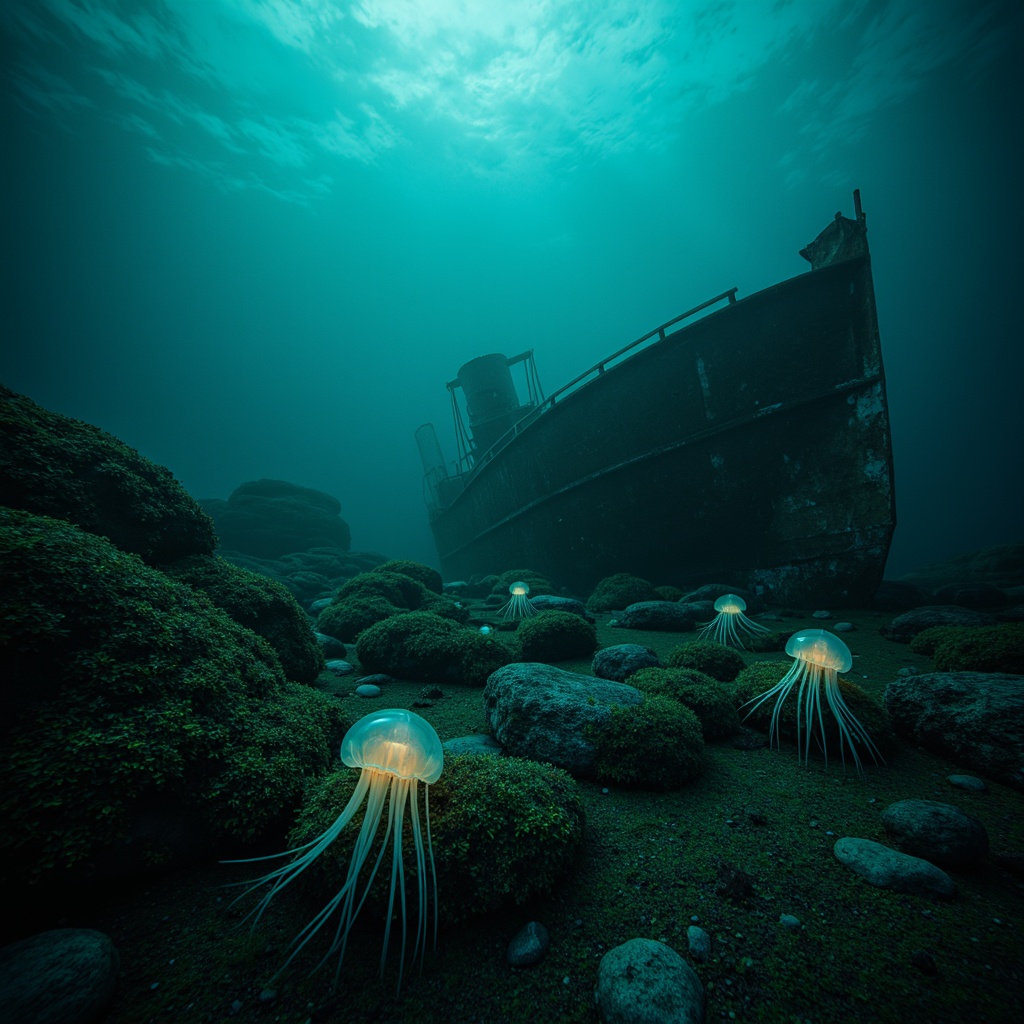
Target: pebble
column 339, row 667
column 971, row 782
column 699, row 943
column 789, row 921
column 367, row 690
column 528, row 946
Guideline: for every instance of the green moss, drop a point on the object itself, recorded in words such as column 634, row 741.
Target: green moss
column 758, row 678
column 345, row 620
column 125, row 692
column 928, row 639
column 503, row 829
column 711, row 701
column 556, row 636
column 657, row 744
column 422, row 645
column 60, row 467
column 425, row 574
column 260, row 604
column 619, row 591
column 717, row 660
column 998, row 648
column 669, row 593
column 373, row 596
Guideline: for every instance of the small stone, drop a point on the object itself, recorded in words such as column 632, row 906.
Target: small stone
column 789, row 921
column 339, row 668
column 843, row 627
column 367, row 690
column 528, row 946
column 971, row 782
column 699, row 943
column 821, row 615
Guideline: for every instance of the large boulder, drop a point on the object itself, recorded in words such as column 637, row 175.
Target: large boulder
column 905, row 627
column 644, row 981
column 936, row 832
column 63, row 976
column 974, row 718
column 593, row 727
column 56, row 466
column 543, row 713
column 140, row 726
column 271, row 518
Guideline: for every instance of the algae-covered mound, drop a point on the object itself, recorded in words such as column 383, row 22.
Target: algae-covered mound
column 260, row 604
column 139, row 724
column 56, row 466
column 373, row 596
column 620, row 591
column 503, row 829
column 423, row 645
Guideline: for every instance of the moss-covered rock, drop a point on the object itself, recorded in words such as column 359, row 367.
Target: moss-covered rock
column 717, row 660
column 928, row 639
column 425, row 574
column 55, row 466
column 374, row 596
column 260, row 604
column 709, row 699
column 423, row 645
column 140, row 723
column 998, row 648
column 556, row 636
column 760, row 677
column 619, row 591
column 503, row 829
column 657, row 744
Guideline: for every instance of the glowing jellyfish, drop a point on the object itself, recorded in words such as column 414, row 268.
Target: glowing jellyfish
column 396, row 750
column 518, row 606
column 819, row 657
column 723, row 627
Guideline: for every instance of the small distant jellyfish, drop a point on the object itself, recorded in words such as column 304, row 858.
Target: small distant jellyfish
column 819, row 658
column 395, row 749
column 723, row 627
column 485, row 630
column 518, row 606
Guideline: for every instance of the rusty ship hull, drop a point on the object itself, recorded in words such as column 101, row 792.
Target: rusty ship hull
column 749, row 447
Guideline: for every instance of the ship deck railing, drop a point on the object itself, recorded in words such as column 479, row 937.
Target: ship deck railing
column 659, row 333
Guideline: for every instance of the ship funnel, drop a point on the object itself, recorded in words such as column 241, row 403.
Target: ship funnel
column 492, row 403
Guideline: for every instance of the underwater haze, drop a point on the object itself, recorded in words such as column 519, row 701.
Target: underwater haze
column 255, row 239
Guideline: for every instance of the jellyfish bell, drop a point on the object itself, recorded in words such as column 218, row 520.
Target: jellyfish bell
column 395, row 750
column 820, row 647
column 519, row 589
column 397, row 742
column 731, row 604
